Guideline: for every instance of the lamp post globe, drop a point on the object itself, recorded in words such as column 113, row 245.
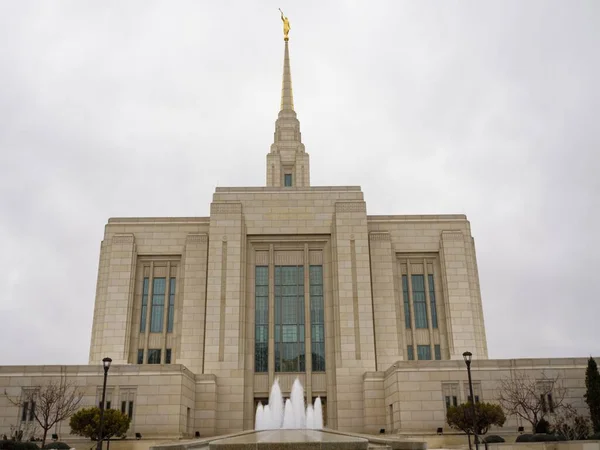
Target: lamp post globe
column 105, row 365
column 467, row 357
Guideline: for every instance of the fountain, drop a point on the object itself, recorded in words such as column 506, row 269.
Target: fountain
column 293, row 426
column 292, row 414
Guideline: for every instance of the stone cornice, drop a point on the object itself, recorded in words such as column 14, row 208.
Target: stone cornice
column 225, row 208
column 452, row 236
column 380, row 236
column 123, row 239
column 359, row 206
column 196, row 238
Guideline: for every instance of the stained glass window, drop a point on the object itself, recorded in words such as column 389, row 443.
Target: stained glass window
column 406, row 301
column 157, row 310
column 434, row 321
column 144, row 306
column 289, row 319
column 317, row 319
column 419, row 302
column 261, row 315
column 171, row 310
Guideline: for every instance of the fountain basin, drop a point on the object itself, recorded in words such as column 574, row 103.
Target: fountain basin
column 299, row 439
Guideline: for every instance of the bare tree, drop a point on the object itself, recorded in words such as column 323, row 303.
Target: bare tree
column 571, row 425
column 24, row 430
column 531, row 399
column 50, row 403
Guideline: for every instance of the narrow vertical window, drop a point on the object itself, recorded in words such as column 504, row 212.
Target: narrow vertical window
column 261, row 319
column 140, row 358
column 289, row 319
column 287, row 179
column 130, row 410
column 543, row 402
column 317, row 318
column 450, row 393
column 419, row 302
column 410, row 352
column 171, row 311
column 438, row 352
column 24, row 411
column 424, row 352
column 434, row 321
column 154, row 356
column 32, row 411
column 168, row 356
column 144, row 306
column 158, row 305
column 406, row 301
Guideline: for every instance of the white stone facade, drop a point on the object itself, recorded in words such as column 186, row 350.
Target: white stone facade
column 176, row 309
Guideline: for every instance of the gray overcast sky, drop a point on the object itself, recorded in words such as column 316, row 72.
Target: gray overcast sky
column 140, row 108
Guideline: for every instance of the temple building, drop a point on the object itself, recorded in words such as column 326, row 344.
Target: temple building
column 372, row 313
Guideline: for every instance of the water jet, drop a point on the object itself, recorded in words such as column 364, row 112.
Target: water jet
column 291, row 415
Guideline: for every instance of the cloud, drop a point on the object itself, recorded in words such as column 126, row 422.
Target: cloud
column 142, row 108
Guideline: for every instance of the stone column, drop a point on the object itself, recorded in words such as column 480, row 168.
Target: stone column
column 119, row 298
column 224, row 309
column 384, row 299
column 355, row 311
column 100, row 304
column 460, row 317
column 374, row 402
column 475, row 291
column 193, row 294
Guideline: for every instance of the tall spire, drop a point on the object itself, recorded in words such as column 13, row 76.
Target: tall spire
column 287, row 96
column 288, row 164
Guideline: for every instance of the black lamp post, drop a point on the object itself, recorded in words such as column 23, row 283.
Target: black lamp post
column 106, row 363
column 467, row 356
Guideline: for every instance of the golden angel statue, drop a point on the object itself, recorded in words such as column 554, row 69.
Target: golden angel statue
column 286, row 26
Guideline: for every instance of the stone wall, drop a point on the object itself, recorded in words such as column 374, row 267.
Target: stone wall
column 161, row 395
column 447, row 240
column 124, row 241
column 414, row 391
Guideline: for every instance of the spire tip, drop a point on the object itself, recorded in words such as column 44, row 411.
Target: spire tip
column 286, row 26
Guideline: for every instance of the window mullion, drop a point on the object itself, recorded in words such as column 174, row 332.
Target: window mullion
column 428, row 305
column 166, row 299
column 148, row 310
column 271, row 314
column 411, row 300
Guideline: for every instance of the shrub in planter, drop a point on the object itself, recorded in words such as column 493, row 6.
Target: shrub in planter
column 493, row 439
column 594, row 437
column 57, row 445
column 524, row 438
column 543, row 437
column 542, row 427
column 18, row 445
